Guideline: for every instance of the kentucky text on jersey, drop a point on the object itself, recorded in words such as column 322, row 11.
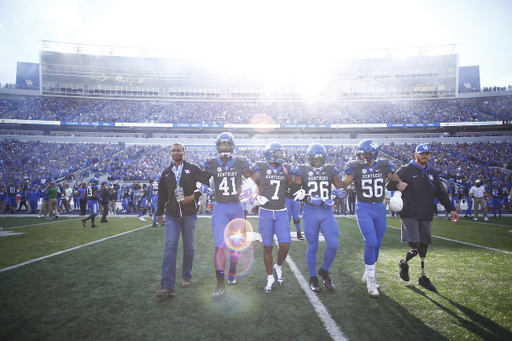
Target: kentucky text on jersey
column 275, row 177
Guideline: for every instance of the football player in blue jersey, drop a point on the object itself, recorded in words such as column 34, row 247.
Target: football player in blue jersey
column 469, row 210
column 496, row 197
column 272, row 178
column 312, row 184
column 293, row 208
column 154, row 198
column 452, row 192
column 369, row 175
column 506, row 193
column 227, row 171
column 92, row 201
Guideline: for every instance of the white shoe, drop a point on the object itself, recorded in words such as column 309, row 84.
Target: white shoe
column 364, row 279
column 279, row 275
column 486, row 219
column 371, row 284
column 142, row 218
column 270, row 285
column 475, row 219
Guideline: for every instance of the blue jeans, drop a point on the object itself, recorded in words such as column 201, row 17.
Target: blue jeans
column 173, row 227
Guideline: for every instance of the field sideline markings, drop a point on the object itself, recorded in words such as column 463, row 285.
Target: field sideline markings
column 455, row 241
column 73, row 248
column 330, row 325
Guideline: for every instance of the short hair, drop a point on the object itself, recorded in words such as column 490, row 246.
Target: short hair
column 178, row 144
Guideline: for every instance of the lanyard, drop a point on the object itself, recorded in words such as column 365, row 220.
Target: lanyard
column 177, row 172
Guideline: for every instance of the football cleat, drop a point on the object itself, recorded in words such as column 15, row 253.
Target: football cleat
column 231, row 280
column 365, row 280
column 475, row 219
column 142, row 218
column 219, row 291
column 404, row 270
column 313, row 284
column 154, row 225
column 83, row 222
column 300, row 236
column 326, row 279
column 270, row 285
column 93, row 226
column 279, row 275
column 371, row 285
column 425, row 282
column 486, row 219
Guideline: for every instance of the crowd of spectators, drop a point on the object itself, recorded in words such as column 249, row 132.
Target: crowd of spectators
column 92, row 110
column 74, row 162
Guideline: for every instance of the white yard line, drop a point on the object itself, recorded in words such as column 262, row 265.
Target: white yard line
column 330, row 325
column 73, row 248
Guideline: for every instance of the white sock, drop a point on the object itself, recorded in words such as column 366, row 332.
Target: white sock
column 270, row 278
column 370, row 270
column 277, row 267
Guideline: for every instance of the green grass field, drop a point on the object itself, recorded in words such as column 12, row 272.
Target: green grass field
column 105, row 290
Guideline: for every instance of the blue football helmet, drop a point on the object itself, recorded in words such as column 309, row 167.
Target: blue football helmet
column 495, row 184
column 93, row 181
column 317, row 155
column 370, row 149
column 225, row 144
column 451, row 181
column 274, row 152
column 469, row 183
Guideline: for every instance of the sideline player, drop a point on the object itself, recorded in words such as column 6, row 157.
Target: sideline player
column 273, row 178
column 369, row 175
column 227, row 171
column 92, row 201
column 316, row 179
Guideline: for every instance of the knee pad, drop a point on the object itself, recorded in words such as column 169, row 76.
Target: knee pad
column 296, row 221
column 422, row 250
column 312, row 247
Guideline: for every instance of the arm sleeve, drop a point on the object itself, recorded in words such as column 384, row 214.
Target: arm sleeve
column 163, row 195
column 202, row 178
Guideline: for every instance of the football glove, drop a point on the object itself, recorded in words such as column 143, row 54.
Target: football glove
column 328, row 202
column 203, row 188
column 396, row 203
column 261, row 200
column 246, row 195
column 316, row 200
column 299, row 195
column 340, row 193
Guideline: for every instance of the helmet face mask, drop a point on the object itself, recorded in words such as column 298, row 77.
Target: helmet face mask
column 275, row 152
column 317, row 155
column 225, row 144
column 369, row 149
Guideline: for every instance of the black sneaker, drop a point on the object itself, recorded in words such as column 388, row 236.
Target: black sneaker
column 404, row 270
column 154, row 225
column 326, row 279
column 83, row 222
column 313, row 284
column 425, row 282
column 300, row 236
column 93, row 226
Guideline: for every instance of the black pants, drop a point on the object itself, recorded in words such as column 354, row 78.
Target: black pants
column 105, row 212
column 83, row 206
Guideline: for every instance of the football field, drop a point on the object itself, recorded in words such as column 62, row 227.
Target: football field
column 61, row 281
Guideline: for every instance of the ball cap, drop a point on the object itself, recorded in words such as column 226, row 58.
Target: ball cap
column 104, row 183
column 423, row 148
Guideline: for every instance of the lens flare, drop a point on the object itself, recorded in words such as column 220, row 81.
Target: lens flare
column 238, row 234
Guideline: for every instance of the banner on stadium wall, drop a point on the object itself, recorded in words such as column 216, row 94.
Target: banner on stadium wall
column 469, row 78
column 241, row 148
column 27, row 74
column 99, row 124
column 461, row 124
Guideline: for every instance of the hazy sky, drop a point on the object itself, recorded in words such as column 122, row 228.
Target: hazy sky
column 242, row 31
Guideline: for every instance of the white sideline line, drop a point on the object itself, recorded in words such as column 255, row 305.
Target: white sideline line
column 455, row 241
column 73, row 248
column 460, row 242
column 330, row 325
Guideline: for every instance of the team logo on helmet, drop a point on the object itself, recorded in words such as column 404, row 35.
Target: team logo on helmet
column 370, row 149
column 275, row 152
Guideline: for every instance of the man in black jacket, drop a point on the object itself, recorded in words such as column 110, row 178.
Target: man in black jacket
column 178, row 198
column 423, row 185
column 104, row 199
